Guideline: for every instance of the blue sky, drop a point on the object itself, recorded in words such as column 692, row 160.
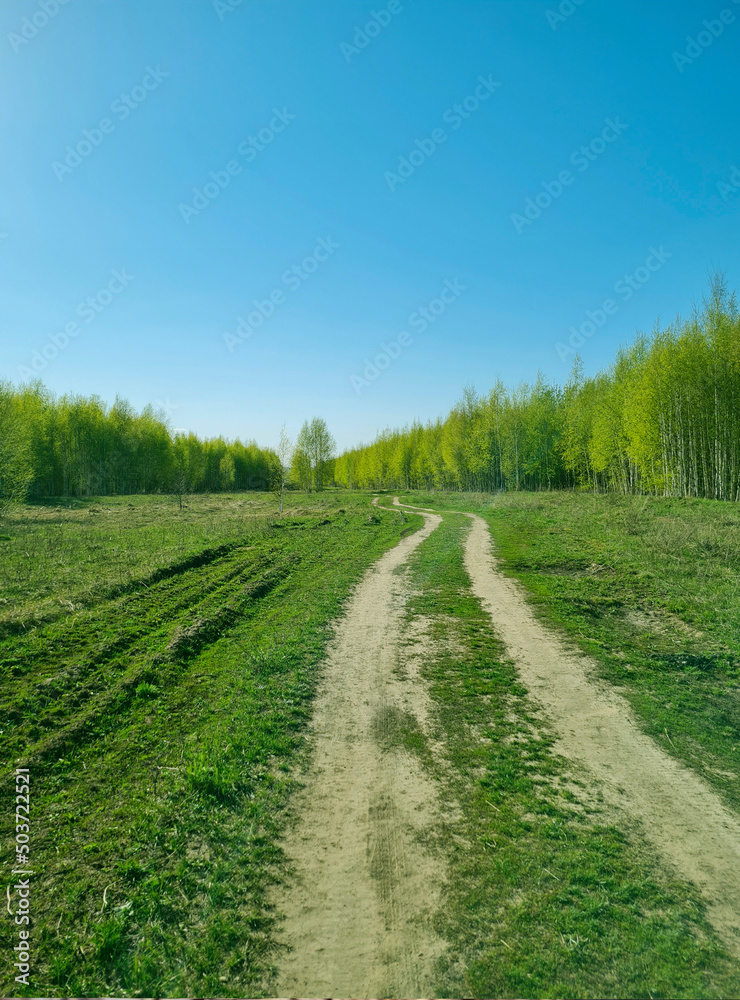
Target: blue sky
column 481, row 105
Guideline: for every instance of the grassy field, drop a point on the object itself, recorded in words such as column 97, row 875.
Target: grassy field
column 159, row 667
column 545, row 897
column 161, row 721
column 649, row 588
column 58, row 556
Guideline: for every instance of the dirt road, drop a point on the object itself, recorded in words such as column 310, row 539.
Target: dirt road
column 358, row 915
column 676, row 811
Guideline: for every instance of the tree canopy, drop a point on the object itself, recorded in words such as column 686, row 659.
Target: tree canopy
column 313, row 465
column 663, row 418
column 77, row 446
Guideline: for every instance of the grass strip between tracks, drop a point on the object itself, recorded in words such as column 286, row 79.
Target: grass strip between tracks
column 648, row 587
column 545, row 897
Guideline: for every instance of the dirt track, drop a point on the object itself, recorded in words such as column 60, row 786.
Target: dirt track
column 676, row 811
column 358, row 916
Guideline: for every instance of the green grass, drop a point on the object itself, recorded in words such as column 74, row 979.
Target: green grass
column 159, row 668
column 163, row 726
column 649, row 588
column 544, row 896
column 64, row 554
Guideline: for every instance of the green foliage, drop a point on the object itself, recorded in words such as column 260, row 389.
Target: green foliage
column 663, row 419
column 313, row 465
column 16, row 470
column 73, row 446
column 280, row 473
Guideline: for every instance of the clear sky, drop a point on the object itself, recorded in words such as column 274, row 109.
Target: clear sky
column 407, row 137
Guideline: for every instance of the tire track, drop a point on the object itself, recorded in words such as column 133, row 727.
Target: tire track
column 676, row 811
column 359, row 909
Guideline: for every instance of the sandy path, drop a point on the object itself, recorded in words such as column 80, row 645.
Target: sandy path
column 357, row 915
column 682, row 817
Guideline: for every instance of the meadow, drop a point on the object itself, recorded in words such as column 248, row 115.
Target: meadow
column 159, row 670
column 549, row 893
column 649, row 588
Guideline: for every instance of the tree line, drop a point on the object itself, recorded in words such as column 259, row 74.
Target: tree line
column 79, row 446
column 663, row 418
